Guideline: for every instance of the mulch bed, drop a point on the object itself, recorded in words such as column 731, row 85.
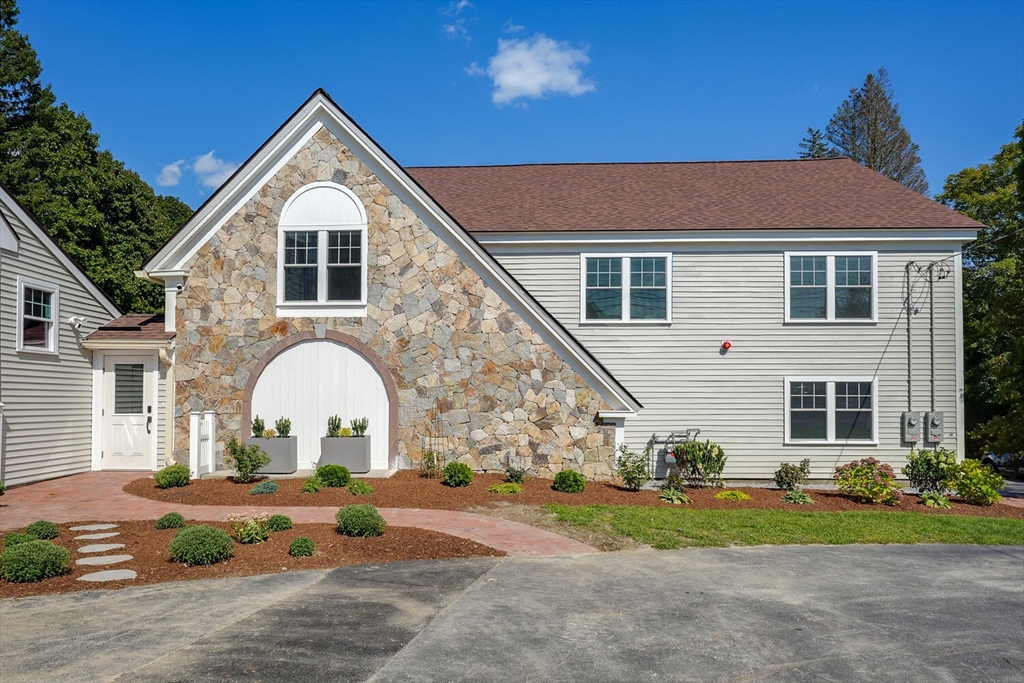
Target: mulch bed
column 407, row 489
column 148, row 546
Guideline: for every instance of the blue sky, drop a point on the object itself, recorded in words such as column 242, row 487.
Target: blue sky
column 182, row 91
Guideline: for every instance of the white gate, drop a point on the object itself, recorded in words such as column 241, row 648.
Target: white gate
column 201, row 438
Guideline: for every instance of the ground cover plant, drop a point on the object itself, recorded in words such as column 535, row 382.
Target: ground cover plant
column 797, row 497
column 42, row 530
column 264, row 488
column 358, row 487
column 506, row 488
column 16, row 537
column 732, row 495
column 173, row 475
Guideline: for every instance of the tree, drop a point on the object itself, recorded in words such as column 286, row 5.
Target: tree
column 993, row 194
column 867, row 128
column 815, row 146
column 103, row 214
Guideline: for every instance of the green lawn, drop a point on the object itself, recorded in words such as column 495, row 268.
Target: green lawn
column 666, row 528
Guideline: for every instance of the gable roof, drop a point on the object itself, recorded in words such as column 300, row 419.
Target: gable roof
column 318, row 112
column 719, row 195
column 25, row 218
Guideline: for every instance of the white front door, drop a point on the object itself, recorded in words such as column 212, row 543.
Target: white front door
column 129, row 417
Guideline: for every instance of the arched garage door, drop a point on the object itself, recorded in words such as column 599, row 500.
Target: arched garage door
column 313, row 380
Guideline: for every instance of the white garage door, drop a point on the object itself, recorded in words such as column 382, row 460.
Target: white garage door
column 313, row 380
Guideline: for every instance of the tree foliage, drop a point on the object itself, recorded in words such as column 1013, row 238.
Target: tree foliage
column 867, row 128
column 993, row 194
column 103, row 214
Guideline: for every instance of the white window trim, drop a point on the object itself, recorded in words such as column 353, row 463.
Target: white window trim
column 626, row 269
column 322, row 307
column 830, row 292
column 830, row 407
column 53, row 349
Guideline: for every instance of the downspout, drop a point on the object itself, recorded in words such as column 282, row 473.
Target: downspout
column 910, row 345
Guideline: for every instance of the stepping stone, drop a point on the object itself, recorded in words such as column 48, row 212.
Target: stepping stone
column 96, row 537
column 100, row 547
column 92, row 527
column 104, row 559
column 109, row 575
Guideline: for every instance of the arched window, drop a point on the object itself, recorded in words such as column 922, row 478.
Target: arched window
column 321, row 266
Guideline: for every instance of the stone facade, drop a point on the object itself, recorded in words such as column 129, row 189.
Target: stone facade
column 448, row 339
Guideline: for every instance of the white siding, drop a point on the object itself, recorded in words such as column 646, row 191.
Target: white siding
column 48, row 398
column 678, row 373
column 161, row 416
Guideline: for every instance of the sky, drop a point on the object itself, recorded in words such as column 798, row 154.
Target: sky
column 183, row 92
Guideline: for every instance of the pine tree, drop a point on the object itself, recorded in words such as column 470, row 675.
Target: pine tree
column 103, row 214
column 867, row 128
column 815, row 146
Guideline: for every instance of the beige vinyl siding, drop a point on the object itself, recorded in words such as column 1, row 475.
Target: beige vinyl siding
column 47, row 418
column 738, row 399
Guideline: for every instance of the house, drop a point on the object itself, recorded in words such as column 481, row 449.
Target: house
column 545, row 314
column 47, row 308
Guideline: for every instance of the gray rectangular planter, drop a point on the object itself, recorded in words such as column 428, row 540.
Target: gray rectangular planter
column 283, row 452
column 351, row 451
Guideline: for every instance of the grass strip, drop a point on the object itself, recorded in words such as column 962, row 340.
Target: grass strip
column 667, row 528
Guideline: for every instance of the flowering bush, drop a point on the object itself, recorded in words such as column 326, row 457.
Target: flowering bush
column 977, row 484
column 870, row 481
column 932, row 471
column 250, row 529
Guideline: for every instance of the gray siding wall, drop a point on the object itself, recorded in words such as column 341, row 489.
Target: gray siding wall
column 48, row 398
column 677, row 370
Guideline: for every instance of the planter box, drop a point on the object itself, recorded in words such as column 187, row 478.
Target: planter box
column 351, row 451
column 284, row 454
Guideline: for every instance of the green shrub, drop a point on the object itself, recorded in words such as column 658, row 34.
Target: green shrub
column 791, row 477
column 311, row 485
column 279, row 522
column 358, row 487
column 245, row 460
column 673, row 480
column 797, row 497
column 360, row 521
column 2, row 488
column 283, row 426
column 264, row 487
column 701, row 462
column 634, row 468
column 515, row 475
column 457, row 474
column 359, row 426
column 42, row 530
column 258, row 427
column 870, row 481
column 334, row 476
column 569, row 481
column 431, row 464
column 249, row 528
column 976, row 484
column 673, row 495
column 506, row 488
column 935, row 500
column 172, row 476
column 201, row 545
column 303, row 546
column 932, row 471
column 732, row 495
column 333, row 427
column 16, row 537
column 172, row 520
column 34, row 561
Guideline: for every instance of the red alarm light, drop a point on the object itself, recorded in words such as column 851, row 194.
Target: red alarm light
column 726, row 345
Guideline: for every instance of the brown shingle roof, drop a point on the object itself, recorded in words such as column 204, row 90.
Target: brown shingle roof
column 721, row 195
column 133, row 328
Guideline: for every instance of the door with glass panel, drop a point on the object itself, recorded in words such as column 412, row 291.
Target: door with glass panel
column 129, row 418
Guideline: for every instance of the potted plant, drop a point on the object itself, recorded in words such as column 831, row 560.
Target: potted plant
column 348, row 446
column 279, row 444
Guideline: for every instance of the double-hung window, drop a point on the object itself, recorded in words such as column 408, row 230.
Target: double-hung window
column 322, row 243
column 839, row 287
column 633, row 288
column 37, row 316
column 825, row 410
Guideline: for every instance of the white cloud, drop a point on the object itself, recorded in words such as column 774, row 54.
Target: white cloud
column 212, row 171
column 512, row 27
column 457, row 28
column 170, row 175
column 535, row 67
column 455, row 8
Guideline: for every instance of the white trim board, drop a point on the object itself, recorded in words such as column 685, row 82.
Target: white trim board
column 321, row 112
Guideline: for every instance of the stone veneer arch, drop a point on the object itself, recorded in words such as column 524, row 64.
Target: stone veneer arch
column 344, row 340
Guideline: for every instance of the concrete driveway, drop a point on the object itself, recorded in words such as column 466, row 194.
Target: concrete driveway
column 795, row 613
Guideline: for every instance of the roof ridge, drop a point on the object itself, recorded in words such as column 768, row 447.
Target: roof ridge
column 632, row 163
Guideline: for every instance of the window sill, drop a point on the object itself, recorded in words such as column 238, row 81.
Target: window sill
column 630, row 323
column 792, row 442
column 38, row 352
column 319, row 310
column 839, row 323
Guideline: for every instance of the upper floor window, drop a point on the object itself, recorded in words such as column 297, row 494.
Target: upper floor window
column 831, row 287
column 634, row 288
column 37, row 316
column 322, row 242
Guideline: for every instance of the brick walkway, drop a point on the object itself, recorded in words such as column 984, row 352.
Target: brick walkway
column 98, row 496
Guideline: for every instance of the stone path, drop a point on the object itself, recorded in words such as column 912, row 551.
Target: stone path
column 99, row 496
column 99, row 560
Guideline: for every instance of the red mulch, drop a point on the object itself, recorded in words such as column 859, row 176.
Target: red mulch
column 407, row 489
column 148, row 546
